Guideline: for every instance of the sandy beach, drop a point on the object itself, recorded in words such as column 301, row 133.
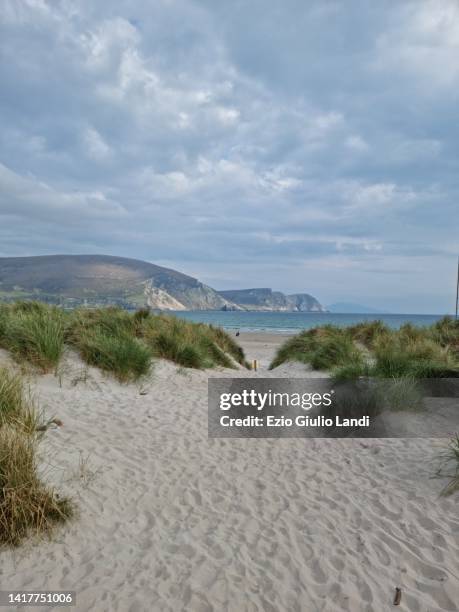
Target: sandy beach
column 169, row 520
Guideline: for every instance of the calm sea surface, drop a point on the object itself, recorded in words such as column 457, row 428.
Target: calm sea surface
column 291, row 322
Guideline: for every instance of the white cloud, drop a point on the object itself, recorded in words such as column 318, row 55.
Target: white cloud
column 30, row 198
column 356, row 143
column 266, row 134
column 97, row 149
column 423, row 44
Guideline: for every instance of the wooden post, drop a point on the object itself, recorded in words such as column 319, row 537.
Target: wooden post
column 254, row 364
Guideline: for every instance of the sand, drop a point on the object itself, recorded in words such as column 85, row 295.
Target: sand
column 170, row 520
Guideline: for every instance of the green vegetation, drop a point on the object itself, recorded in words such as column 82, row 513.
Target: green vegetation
column 127, row 358
column 27, row 505
column 450, row 461
column 420, row 357
column 371, row 349
column 446, row 333
column 34, row 332
column 105, row 338
column 192, row 345
column 367, row 331
column 322, row 347
column 112, row 339
column 15, row 410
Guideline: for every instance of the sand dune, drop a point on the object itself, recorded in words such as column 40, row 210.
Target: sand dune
column 170, row 520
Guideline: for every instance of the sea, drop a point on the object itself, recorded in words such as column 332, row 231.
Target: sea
column 292, row 322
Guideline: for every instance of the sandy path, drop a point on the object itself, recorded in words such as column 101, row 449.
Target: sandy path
column 172, row 521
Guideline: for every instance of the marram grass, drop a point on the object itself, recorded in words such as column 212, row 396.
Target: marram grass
column 28, row 507
column 35, row 335
column 323, row 348
column 124, row 356
column 450, row 466
column 372, row 349
column 112, row 339
column 16, row 409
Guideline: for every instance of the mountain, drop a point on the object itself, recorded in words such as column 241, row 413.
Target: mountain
column 349, row 308
column 269, row 300
column 72, row 280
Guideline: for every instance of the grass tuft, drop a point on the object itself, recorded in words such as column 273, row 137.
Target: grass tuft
column 450, row 461
column 410, row 352
column 419, row 357
column 113, row 339
column 191, row 345
column 125, row 357
column 368, row 332
column 322, row 347
column 15, row 409
column 34, row 333
column 27, row 505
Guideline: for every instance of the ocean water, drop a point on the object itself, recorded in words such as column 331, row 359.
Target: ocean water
column 292, row 322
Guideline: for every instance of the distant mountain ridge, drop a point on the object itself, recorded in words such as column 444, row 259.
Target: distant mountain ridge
column 104, row 279
column 269, row 300
column 73, row 280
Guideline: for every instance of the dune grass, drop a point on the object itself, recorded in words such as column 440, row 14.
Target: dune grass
column 125, row 357
column 410, row 352
column 113, row 339
column 450, row 463
column 33, row 332
column 368, row 331
column 322, row 347
column 446, row 333
column 414, row 355
column 15, row 408
column 125, row 343
column 27, row 505
column 105, row 338
column 192, row 345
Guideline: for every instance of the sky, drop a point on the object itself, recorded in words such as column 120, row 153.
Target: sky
column 308, row 146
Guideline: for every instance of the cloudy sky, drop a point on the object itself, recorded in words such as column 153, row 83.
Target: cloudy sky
column 299, row 144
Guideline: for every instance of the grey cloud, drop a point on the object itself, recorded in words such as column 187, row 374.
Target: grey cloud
column 286, row 144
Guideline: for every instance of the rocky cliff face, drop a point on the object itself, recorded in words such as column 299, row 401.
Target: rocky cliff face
column 304, row 302
column 269, row 300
